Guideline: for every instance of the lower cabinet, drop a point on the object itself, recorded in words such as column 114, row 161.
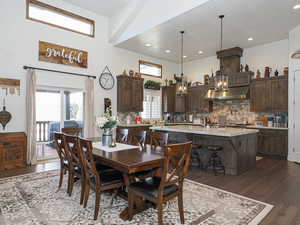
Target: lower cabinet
column 273, row 142
column 13, row 150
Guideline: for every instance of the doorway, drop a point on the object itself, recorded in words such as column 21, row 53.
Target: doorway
column 56, row 108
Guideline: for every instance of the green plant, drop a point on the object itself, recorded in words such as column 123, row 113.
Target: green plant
column 151, row 83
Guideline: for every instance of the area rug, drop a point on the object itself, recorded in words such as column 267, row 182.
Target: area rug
column 34, row 199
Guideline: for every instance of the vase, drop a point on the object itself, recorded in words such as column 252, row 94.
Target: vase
column 107, row 137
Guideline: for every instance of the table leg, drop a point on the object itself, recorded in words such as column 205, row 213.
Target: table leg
column 139, row 204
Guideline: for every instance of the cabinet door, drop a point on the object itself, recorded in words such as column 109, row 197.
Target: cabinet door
column 203, row 103
column 124, row 95
column 258, row 96
column 273, row 142
column 180, row 104
column 279, row 95
column 1, row 156
column 137, row 97
column 13, row 153
column 168, row 99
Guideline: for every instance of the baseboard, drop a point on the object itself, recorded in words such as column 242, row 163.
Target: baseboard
column 294, row 157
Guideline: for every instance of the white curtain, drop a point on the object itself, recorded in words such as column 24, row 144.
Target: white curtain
column 89, row 122
column 31, row 117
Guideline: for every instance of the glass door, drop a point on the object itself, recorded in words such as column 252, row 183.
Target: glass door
column 48, row 120
column 56, row 109
column 74, row 109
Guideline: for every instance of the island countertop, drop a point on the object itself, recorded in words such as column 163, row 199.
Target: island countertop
column 222, row 132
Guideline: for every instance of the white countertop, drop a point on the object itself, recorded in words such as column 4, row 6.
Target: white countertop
column 223, row 132
column 134, row 125
column 271, row 128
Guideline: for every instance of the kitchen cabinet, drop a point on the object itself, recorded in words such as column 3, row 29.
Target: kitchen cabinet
column 168, row 99
column 196, row 102
column 258, row 96
column 130, row 94
column 273, row 142
column 13, row 150
column 172, row 103
column 269, row 95
column 278, row 92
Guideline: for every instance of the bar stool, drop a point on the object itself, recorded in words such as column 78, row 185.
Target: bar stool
column 196, row 148
column 215, row 162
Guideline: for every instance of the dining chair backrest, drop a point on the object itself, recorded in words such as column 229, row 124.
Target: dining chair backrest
column 176, row 165
column 138, row 138
column 62, row 152
column 71, row 145
column 86, row 148
column 158, row 139
column 122, row 135
column 72, row 131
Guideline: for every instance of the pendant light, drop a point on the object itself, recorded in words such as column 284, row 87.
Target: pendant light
column 181, row 87
column 221, row 79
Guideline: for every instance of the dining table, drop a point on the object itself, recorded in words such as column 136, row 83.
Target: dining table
column 129, row 160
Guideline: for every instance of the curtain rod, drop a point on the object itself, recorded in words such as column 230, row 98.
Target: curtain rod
column 57, row 71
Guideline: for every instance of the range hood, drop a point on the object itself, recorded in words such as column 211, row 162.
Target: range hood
column 235, row 93
column 238, row 80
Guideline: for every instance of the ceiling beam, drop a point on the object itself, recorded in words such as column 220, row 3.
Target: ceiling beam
column 140, row 16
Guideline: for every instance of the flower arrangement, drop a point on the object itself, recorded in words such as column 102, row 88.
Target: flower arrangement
column 107, row 121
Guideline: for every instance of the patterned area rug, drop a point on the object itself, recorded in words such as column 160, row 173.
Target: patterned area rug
column 34, row 199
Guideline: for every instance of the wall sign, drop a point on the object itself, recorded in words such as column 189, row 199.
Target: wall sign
column 62, row 55
column 9, row 86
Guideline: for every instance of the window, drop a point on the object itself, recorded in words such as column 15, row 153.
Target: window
column 51, row 15
column 152, row 105
column 150, row 69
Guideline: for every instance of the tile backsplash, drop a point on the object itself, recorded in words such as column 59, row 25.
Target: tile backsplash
column 234, row 111
column 237, row 112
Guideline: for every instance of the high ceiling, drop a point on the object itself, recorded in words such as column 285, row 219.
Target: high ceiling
column 263, row 20
column 106, row 8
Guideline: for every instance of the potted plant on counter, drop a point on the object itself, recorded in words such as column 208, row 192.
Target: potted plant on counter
column 150, row 84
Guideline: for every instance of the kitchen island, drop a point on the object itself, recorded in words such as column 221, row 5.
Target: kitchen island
column 240, row 145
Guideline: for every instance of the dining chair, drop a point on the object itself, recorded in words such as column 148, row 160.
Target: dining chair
column 63, row 155
column 158, row 140
column 75, row 164
column 72, row 131
column 100, row 181
column 122, row 135
column 169, row 185
column 138, row 138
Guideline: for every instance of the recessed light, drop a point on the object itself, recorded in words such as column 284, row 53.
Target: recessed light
column 250, row 39
column 148, row 45
column 167, row 51
column 200, row 52
column 296, row 7
column 184, row 56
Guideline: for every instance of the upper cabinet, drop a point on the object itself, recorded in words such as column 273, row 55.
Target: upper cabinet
column 172, row 103
column 130, row 94
column 269, row 95
column 196, row 101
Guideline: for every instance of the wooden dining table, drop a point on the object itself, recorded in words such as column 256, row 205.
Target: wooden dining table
column 129, row 162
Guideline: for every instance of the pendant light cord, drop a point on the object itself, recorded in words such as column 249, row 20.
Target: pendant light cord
column 182, row 32
column 221, row 17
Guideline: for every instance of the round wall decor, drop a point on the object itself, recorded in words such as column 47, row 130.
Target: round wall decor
column 106, row 80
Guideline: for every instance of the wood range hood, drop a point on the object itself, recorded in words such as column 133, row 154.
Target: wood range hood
column 238, row 82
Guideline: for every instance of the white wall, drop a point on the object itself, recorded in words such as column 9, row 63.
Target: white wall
column 273, row 54
column 19, row 46
column 294, row 97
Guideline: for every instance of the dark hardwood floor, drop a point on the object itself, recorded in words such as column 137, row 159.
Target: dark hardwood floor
column 276, row 182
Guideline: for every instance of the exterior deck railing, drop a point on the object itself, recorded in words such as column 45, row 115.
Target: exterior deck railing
column 43, row 131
